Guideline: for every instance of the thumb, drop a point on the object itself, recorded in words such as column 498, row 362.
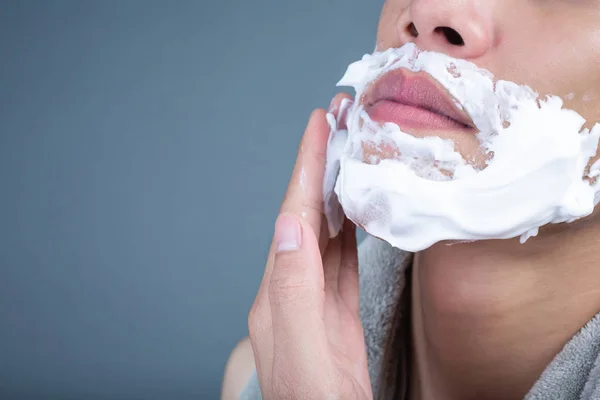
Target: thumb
column 297, row 282
column 296, row 295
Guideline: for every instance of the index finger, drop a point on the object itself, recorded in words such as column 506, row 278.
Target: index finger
column 304, row 195
column 304, row 198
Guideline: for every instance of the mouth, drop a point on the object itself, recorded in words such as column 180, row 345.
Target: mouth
column 416, row 103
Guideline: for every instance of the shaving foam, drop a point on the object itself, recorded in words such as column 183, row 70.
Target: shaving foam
column 536, row 174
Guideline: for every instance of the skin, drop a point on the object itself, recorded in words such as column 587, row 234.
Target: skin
column 487, row 316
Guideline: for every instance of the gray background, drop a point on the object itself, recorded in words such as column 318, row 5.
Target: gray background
column 144, row 150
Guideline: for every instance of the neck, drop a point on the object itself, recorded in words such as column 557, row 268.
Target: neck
column 489, row 316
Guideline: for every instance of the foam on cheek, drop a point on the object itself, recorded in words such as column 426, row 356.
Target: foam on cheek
column 535, row 175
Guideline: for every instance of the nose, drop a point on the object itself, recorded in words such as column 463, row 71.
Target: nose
column 459, row 28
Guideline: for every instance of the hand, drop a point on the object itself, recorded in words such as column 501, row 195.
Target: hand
column 304, row 325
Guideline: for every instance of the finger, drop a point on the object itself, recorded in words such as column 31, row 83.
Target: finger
column 348, row 284
column 304, row 200
column 330, row 249
column 339, row 108
column 304, row 194
column 297, row 277
column 296, row 297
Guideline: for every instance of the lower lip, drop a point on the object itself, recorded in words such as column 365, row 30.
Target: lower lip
column 410, row 117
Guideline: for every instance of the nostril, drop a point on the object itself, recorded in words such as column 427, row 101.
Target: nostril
column 452, row 36
column 412, row 30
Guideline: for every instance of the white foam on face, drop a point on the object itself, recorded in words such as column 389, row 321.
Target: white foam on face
column 536, row 174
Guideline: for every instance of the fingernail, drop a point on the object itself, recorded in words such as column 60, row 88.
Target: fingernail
column 288, row 234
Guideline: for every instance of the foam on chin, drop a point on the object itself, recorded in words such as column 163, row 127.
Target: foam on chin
column 536, row 175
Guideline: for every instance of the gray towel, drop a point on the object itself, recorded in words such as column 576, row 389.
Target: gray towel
column 574, row 374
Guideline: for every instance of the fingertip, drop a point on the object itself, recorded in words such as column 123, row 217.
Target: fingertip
column 336, row 102
column 316, row 114
column 318, row 122
column 316, row 134
column 339, row 107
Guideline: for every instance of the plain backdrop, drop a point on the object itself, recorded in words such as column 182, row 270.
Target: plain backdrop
column 144, row 151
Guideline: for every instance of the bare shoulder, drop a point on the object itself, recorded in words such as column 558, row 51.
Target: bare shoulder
column 238, row 370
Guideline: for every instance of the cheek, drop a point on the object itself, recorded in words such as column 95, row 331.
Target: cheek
column 577, row 83
column 566, row 63
column 570, row 72
column 389, row 20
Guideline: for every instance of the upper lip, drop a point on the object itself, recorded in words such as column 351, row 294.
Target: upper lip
column 416, row 90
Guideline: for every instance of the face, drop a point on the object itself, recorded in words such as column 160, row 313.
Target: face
column 552, row 46
column 534, row 174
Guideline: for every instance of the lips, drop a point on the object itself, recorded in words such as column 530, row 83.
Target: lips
column 415, row 102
